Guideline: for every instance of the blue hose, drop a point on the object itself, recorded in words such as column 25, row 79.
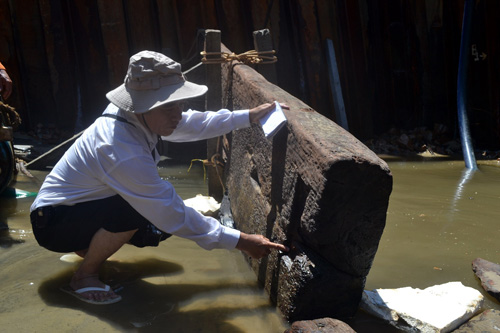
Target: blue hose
column 463, row 121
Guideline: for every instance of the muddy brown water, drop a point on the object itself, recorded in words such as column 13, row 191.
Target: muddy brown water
column 438, row 221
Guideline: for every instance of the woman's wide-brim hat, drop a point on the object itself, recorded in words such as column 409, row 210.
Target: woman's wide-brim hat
column 153, row 79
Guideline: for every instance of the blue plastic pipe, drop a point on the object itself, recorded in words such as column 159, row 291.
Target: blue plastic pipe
column 463, row 121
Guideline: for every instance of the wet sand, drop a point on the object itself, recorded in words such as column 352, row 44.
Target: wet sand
column 176, row 287
column 438, row 222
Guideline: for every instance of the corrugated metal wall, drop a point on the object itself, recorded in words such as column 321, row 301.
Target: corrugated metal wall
column 397, row 59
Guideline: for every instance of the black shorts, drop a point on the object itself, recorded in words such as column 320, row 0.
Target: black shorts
column 71, row 228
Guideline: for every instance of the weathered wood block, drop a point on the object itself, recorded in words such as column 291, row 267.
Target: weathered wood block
column 315, row 188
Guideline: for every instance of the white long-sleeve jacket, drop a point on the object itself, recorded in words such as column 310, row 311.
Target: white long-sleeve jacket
column 114, row 157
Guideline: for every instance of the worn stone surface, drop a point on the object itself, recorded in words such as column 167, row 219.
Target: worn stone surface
column 489, row 274
column 440, row 308
column 486, row 322
column 315, row 186
column 306, row 283
column 323, row 325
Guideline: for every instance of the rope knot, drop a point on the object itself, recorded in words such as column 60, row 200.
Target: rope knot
column 249, row 57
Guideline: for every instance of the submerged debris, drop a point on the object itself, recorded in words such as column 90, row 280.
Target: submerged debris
column 419, row 140
column 437, row 141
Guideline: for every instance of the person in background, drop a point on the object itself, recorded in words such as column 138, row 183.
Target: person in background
column 106, row 191
column 5, row 83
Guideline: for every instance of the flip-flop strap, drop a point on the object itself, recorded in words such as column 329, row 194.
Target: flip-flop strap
column 83, row 290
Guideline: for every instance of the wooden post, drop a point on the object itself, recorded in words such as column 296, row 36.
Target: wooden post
column 262, row 42
column 213, row 103
column 114, row 35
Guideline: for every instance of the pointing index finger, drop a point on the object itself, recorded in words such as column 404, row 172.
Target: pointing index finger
column 278, row 246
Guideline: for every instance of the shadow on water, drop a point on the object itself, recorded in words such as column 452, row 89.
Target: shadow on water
column 146, row 306
column 175, row 287
column 6, row 239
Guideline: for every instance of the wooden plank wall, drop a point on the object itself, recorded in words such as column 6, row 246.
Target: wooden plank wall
column 397, row 59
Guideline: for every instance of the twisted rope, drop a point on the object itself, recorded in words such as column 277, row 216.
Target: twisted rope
column 214, row 162
column 249, row 57
column 9, row 116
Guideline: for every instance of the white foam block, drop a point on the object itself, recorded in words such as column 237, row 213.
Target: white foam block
column 440, row 308
column 203, row 204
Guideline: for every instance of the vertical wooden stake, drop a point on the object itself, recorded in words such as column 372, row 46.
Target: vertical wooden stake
column 213, row 103
column 262, row 42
